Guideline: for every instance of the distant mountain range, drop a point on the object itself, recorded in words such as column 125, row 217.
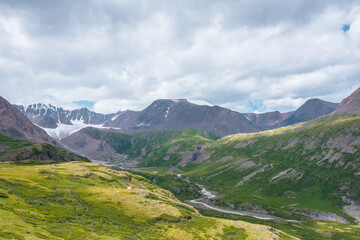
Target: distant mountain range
column 311, row 109
column 49, row 116
column 166, row 114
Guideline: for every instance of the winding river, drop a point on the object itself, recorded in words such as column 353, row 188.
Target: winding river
column 202, row 202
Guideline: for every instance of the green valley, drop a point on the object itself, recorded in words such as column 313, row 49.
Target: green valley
column 304, row 167
column 43, row 199
column 307, row 173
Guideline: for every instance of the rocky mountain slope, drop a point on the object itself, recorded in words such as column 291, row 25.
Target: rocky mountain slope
column 13, row 123
column 139, row 149
column 350, row 105
column 180, row 115
column 311, row 109
column 49, row 116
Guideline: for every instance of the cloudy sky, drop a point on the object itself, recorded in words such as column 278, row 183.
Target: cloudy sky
column 247, row 55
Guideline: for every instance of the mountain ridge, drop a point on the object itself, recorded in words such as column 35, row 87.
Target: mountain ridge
column 311, row 109
column 167, row 114
column 172, row 114
column 14, row 124
column 350, row 105
column 49, row 116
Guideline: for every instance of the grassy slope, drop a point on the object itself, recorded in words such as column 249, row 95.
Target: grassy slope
column 314, row 230
column 317, row 177
column 77, row 200
column 319, row 161
column 18, row 150
column 151, row 148
column 324, row 163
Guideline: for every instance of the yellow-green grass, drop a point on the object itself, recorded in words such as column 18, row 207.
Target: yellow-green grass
column 314, row 230
column 81, row 200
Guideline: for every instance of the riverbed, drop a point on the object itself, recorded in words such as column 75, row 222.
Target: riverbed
column 204, row 203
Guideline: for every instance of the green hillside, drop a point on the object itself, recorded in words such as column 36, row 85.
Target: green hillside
column 41, row 199
column 310, row 166
column 294, row 172
column 140, row 149
column 305, row 172
column 15, row 150
column 290, row 172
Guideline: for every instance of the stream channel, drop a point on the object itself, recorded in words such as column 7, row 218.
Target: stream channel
column 205, row 203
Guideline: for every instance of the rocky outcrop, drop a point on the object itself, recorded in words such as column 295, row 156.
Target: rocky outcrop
column 197, row 155
column 353, row 210
column 251, row 175
column 322, row 216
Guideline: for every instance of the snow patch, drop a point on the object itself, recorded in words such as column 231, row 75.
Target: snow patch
column 167, row 112
column 64, row 130
column 77, row 122
column 143, row 125
column 200, row 102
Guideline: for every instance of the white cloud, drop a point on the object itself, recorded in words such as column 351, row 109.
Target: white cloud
column 125, row 54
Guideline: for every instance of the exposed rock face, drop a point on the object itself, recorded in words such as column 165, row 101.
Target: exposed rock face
column 267, row 120
column 350, row 105
column 198, row 154
column 180, row 115
column 322, row 216
column 96, row 149
column 125, row 120
column 353, row 211
column 14, row 124
column 311, row 109
column 49, row 116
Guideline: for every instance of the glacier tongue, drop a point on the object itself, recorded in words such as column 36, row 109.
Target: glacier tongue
column 64, row 130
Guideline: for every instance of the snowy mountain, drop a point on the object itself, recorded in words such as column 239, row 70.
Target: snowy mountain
column 170, row 114
column 60, row 123
column 49, row 116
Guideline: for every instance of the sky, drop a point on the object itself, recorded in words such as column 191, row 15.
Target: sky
column 246, row 55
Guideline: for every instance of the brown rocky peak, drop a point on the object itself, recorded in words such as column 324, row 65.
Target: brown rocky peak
column 14, row 124
column 350, row 105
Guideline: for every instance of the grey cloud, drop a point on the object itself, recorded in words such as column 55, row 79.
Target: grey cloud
column 132, row 52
